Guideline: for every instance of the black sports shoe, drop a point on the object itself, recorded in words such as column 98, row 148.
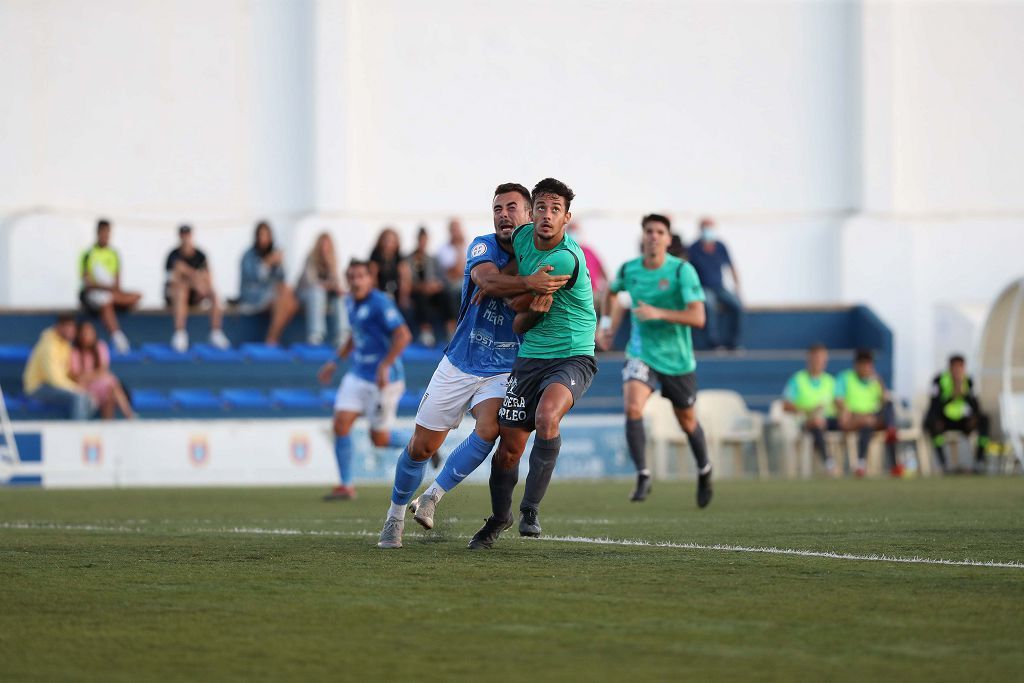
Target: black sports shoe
column 488, row 534
column 704, row 489
column 643, row 488
column 529, row 525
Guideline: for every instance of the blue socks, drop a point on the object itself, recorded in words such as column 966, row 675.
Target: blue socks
column 343, row 453
column 466, row 457
column 408, row 476
column 399, row 439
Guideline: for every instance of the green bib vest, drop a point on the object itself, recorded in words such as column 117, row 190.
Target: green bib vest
column 953, row 408
column 811, row 397
column 862, row 398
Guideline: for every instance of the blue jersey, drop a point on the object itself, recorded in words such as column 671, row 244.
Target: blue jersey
column 483, row 344
column 373, row 320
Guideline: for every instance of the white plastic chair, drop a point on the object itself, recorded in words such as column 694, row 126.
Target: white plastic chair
column 1011, row 415
column 663, row 432
column 729, row 423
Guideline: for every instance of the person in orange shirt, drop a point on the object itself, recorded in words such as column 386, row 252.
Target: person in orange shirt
column 47, row 376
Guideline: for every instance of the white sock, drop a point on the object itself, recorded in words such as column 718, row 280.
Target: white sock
column 435, row 490
column 706, row 469
column 397, row 511
column 644, row 472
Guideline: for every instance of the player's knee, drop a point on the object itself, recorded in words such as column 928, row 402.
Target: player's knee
column 419, row 450
column 341, row 427
column 634, row 411
column 547, row 423
column 688, row 422
column 380, row 439
column 487, row 431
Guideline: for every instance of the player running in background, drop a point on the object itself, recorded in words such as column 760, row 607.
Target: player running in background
column 375, row 381
column 473, row 373
column 667, row 301
column 554, row 368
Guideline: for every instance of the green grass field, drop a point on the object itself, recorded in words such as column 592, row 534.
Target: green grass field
column 275, row 584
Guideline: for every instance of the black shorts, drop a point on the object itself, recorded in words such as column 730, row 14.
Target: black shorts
column 680, row 389
column 194, row 299
column 531, row 376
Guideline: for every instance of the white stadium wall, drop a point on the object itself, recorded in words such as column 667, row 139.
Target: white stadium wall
column 853, row 151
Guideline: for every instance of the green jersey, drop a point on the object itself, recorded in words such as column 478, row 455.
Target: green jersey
column 568, row 328
column 666, row 347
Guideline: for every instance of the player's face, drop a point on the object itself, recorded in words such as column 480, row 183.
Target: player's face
column 817, row 361
column 957, row 371
column 360, row 282
column 103, row 236
column 510, row 210
column 864, row 368
column 550, row 217
column 656, row 239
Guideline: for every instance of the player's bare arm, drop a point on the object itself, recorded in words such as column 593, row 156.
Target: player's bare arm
column 529, row 318
column 326, row 371
column 693, row 315
column 400, row 339
column 494, row 283
column 610, row 321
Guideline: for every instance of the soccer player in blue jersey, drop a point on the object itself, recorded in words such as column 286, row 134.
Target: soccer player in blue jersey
column 375, row 380
column 474, row 371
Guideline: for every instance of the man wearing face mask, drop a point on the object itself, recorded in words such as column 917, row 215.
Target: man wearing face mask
column 724, row 309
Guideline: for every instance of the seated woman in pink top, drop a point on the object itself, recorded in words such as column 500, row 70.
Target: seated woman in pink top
column 90, row 367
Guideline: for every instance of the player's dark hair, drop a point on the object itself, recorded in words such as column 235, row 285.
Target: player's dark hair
column 817, row 346
column 863, row 355
column 552, row 186
column 657, row 218
column 677, row 248
column 358, row 263
column 65, row 317
column 957, row 358
column 514, row 187
column 102, row 223
column 262, row 225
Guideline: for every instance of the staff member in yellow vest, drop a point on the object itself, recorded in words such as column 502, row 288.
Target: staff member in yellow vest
column 101, row 285
column 811, row 395
column 955, row 407
column 865, row 407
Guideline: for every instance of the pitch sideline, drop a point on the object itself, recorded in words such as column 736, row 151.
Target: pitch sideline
column 715, row 547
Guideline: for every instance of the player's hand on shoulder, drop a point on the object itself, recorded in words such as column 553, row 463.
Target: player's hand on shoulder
column 541, row 282
column 326, row 372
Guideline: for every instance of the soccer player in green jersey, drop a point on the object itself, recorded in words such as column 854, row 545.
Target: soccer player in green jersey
column 554, row 368
column 667, row 301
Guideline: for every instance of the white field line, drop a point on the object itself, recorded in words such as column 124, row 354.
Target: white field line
column 719, row 547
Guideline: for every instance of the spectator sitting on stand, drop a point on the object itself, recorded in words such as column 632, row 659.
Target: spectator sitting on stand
column 390, row 271
column 430, row 300
column 262, row 284
column 101, row 291
column 90, row 368
column 954, row 407
column 708, row 255
column 190, row 283
column 810, row 394
column 47, row 377
column 321, row 292
column 866, row 407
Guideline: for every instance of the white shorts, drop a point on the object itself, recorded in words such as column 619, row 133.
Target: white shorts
column 98, row 298
column 452, row 393
column 380, row 406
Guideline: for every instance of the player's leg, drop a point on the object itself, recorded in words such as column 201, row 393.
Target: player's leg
column 408, row 476
column 636, row 390
column 462, row 461
column 681, row 390
column 349, row 402
column 980, row 423
column 563, row 383
column 504, row 477
column 343, row 421
column 887, row 421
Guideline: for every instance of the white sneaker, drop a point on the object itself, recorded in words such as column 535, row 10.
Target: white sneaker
column 120, row 342
column 218, row 339
column 179, row 342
